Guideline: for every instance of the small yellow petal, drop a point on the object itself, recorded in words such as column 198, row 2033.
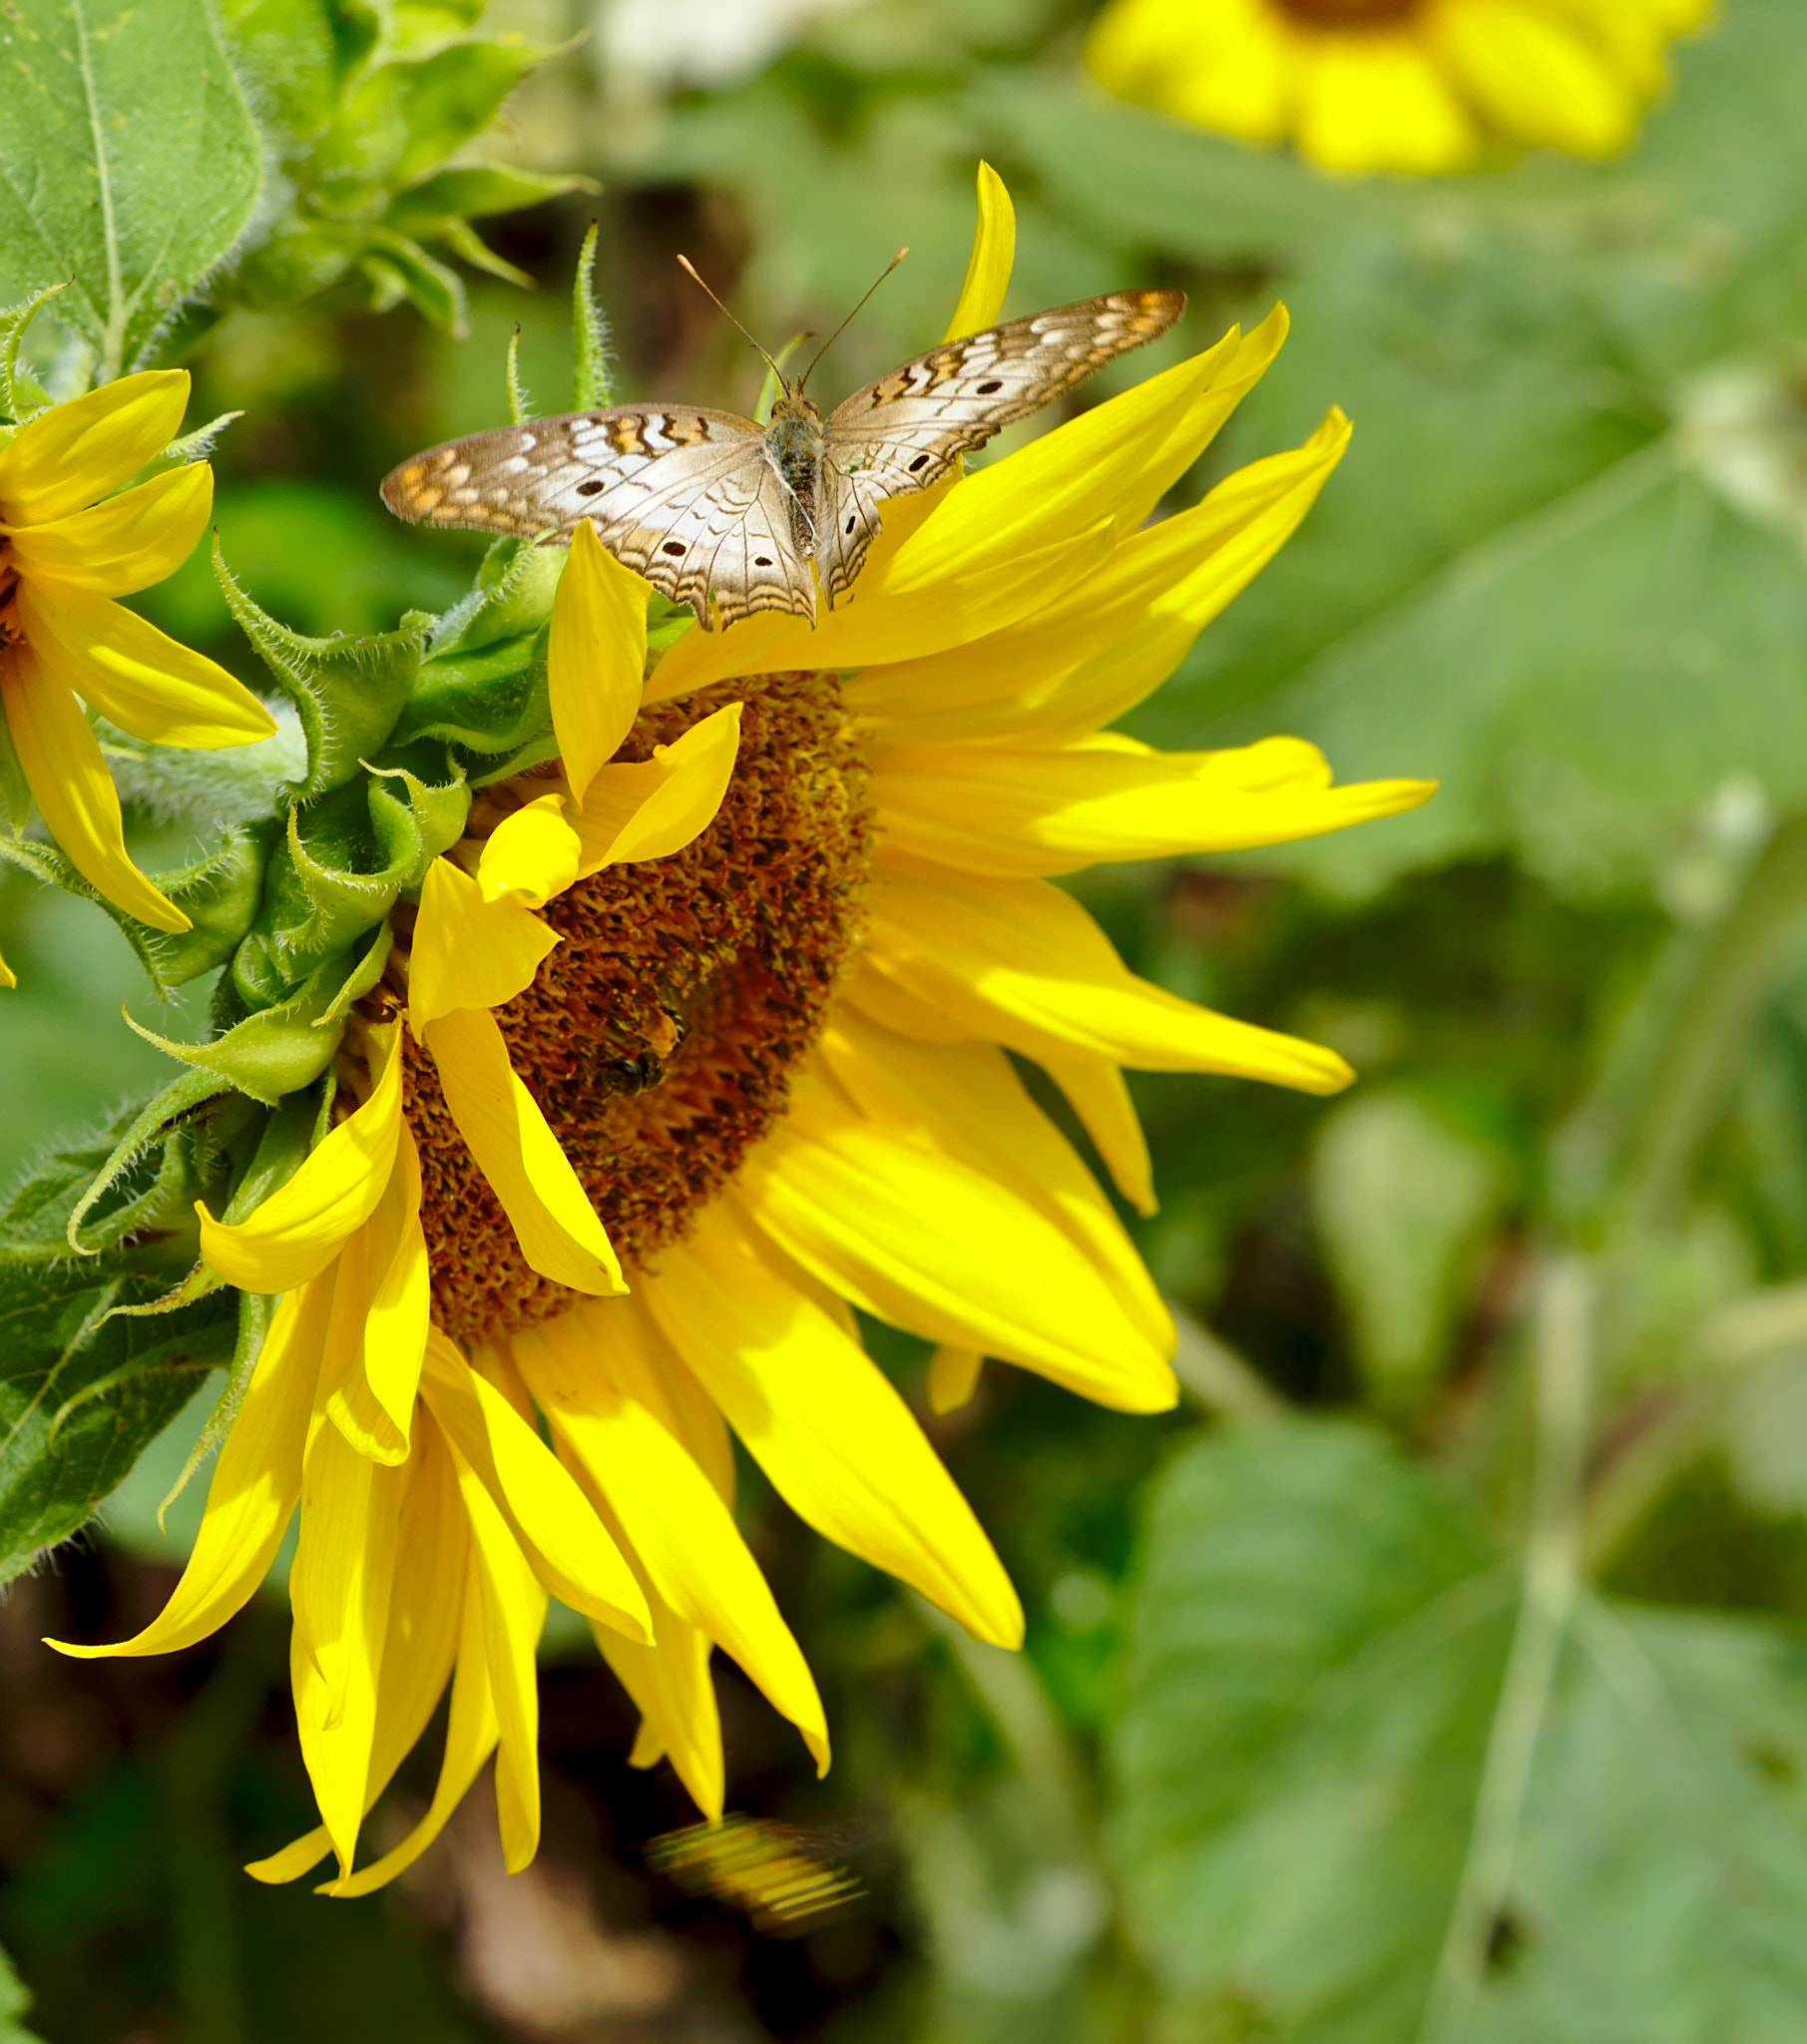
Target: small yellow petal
column 650, row 809
column 560, row 1533
column 531, row 857
column 513, row 1607
column 136, row 675
column 468, row 952
column 597, row 1386
column 1024, row 964
column 953, row 1379
column 987, row 268
column 304, row 1224
column 77, row 452
column 339, row 1589
column 470, row 1739
column 1096, row 1093
column 675, row 1692
column 517, row 1152
column 381, row 1302
column 823, row 1422
column 947, row 1250
column 128, row 542
column 596, row 656
column 74, row 791
column 257, row 1484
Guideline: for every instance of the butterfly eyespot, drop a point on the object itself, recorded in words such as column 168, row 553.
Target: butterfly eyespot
column 761, row 560
column 851, row 523
column 673, row 546
column 990, row 385
column 594, row 487
column 921, row 461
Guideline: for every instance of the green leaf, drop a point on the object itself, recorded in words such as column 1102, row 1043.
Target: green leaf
column 130, row 163
column 83, row 1386
column 15, row 2000
column 1402, row 1200
column 1319, row 1639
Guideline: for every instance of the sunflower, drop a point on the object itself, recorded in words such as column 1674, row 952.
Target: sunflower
column 68, row 548
column 689, row 1055
column 1397, row 85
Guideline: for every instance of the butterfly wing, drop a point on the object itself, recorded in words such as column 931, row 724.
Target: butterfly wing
column 682, row 495
column 908, row 429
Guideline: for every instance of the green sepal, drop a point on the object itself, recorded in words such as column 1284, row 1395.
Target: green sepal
column 219, row 894
column 512, row 596
column 450, row 198
column 285, row 1046
column 21, row 396
column 590, row 383
column 154, row 1123
column 400, row 120
column 347, row 693
column 399, row 268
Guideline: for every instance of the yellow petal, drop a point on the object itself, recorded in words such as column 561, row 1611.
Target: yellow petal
column 991, row 589
column 339, row 1589
column 1096, row 1093
column 1023, row 963
column 953, row 1379
column 822, row 1421
column 1380, row 103
column 471, row 1734
column 513, row 1607
column 304, row 1224
column 1084, row 660
column 70, row 783
column 966, row 1100
column 135, row 676
column 1537, row 78
column 922, row 1240
column 257, row 1484
column 8, row 977
column 79, row 451
column 650, row 809
column 1010, row 811
column 531, row 856
column 987, row 268
column 515, row 1149
column 468, row 952
column 596, row 1385
column 128, row 542
column 567, row 1544
column 381, row 1303
column 596, row 656
column 674, row 1694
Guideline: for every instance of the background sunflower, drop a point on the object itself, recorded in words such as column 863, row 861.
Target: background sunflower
column 1254, row 1775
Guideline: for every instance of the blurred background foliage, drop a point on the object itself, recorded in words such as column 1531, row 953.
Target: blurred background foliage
column 1439, row 1671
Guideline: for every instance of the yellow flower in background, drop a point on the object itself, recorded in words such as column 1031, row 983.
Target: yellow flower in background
column 67, row 549
column 690, row 1054
column 1397, row 85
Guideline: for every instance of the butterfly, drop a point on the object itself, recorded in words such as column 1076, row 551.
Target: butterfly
column 730, row 516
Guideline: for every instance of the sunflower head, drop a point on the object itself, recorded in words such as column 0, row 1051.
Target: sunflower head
column 616, row 1011
column 1397, row 85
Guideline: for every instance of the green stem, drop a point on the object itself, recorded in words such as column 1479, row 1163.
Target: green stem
column 1704, row 1040
column 1564, row 1350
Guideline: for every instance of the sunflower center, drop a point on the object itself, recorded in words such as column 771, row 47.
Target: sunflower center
column 1356, row 14
column 659, row 1036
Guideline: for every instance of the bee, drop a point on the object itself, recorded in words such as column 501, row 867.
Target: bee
column 646, row 1068
column 772, row 1874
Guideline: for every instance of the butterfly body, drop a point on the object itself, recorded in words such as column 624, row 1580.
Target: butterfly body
column 733, row 517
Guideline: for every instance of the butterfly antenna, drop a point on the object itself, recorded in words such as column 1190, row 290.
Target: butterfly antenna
column 851, row 316
column 685, row 264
